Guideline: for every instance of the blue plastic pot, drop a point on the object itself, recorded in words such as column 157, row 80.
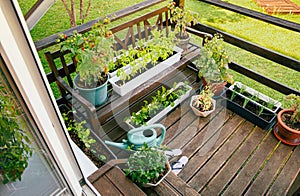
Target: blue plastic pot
column 97, row 96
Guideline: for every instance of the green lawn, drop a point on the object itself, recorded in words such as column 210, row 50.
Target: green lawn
column 266, row 35
column 269, row 36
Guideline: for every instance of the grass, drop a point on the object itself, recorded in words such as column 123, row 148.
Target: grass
column 266, row 35
column 260, row 33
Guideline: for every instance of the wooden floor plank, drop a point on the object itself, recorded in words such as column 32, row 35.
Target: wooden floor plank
column 105, row 187
column 197, row 161
column 251, row 167
column 210, row 168
column 205, row 133
column 126, row 187
column 268, row 173
column 190, row 133
column 180, row 185
column 179, row 126
column 288, row 174
column 163, row 189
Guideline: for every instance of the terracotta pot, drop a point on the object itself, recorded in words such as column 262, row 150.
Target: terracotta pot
column 216, row 87
column 284, row 133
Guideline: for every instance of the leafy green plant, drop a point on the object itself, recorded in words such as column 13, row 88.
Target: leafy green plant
column 261, row 109
column 159, row 47
column 15, row 147
column 79, row 128
column 246, row 100
column 292, row 101
column 233, row 94
column 203, row 101
column 182, row 18
column 213, row 61
column 93, row 53
column 146, row 165
column 162, row 99
column 270, row 104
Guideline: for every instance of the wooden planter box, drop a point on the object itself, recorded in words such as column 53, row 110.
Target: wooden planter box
column 265, row 120
column 146, row 75
column 263, row 99
column 166, row 110
column 99, row 147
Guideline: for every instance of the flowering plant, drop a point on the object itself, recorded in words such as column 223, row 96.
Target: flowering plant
column 183, row 18
column 213, row 61
column 204, row 100
column 93, row 53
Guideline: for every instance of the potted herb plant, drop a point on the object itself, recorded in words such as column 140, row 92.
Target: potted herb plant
column 203, row 104
column 147, row 166
column 93, row 54
column 182, row 18
column 213, row 64
column 288, row 126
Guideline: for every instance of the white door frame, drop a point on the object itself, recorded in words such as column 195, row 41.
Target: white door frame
column 20, row 55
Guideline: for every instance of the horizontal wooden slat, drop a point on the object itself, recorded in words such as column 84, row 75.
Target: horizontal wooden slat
column 51, row 40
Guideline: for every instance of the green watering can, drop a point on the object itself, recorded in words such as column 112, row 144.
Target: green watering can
column 138, row 136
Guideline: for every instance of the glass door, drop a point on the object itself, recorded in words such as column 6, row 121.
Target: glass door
column 26, row 165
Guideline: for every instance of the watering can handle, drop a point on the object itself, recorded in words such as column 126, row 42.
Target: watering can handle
column 163, row 131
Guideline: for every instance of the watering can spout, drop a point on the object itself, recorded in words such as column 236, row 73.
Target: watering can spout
column 123, row 145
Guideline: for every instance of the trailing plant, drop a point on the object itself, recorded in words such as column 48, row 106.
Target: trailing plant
column 213, row 61
column 79, row 128
column 145, row 165
column 15, row 149
column 182, row 18
column 292, row 101
column 162, row 99
column 204, row 100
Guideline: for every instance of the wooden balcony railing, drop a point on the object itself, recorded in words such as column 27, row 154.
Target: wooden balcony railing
column 104, row 114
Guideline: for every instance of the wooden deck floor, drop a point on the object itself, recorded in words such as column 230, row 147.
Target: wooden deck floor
column 279, row 6
column 227, row 154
